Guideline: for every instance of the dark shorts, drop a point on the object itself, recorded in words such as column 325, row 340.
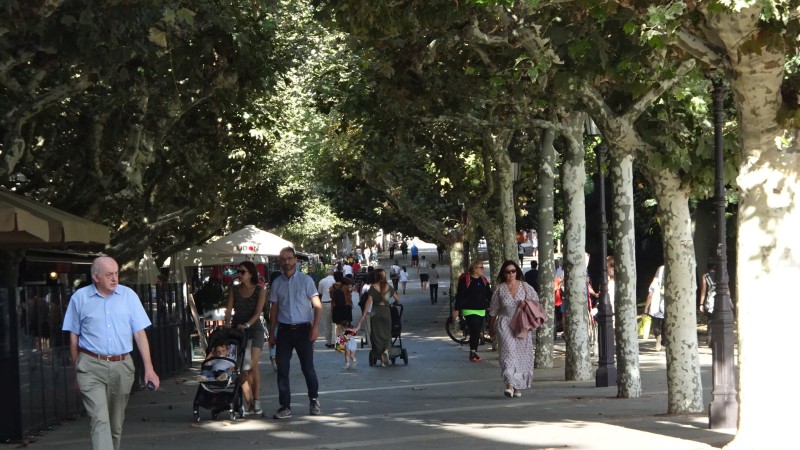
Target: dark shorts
column 424, row 277
column 256, row 336
column 415, row 257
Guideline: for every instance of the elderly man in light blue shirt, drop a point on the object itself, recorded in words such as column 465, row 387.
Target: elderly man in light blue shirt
column 294, row 320
column 103, row 320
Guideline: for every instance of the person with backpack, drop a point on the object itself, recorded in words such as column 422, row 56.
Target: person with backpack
column 708, row 294
column 403, row 279
column 472, row 301
column 362, row 303
column 394, row 274
column 342, row 303
column 654, row 307
column 378, row 308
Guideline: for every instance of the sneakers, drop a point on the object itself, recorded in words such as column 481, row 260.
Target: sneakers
column 347, row 366
column 257, row 407
column 385, row 358
column 202, row 378
column 508, row 392
column 353, row 363
column 282, row 413
column 473, row 356
column 313, row 408
column 223, row 376
column 517, row 393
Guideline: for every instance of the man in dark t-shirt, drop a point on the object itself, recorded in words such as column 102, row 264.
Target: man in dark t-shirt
column 532, row 276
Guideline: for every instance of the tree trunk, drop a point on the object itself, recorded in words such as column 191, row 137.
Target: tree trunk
column 494, row 246
column 545, row 193
column 578, row 366
column 685, row 388
column 629, row 381
column 769, row 218
column 497, row 143
column 456, row 250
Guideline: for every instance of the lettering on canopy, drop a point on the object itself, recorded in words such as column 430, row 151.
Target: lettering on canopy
column 247, row 248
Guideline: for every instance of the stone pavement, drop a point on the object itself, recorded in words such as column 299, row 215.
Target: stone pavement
column 439, row 401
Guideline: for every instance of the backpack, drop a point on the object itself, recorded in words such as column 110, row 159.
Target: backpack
column 468, row 279
column 711, row 293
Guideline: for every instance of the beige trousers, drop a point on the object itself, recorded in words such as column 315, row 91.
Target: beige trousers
column 106, row 387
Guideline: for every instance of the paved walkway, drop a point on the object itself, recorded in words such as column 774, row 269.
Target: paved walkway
column 439, row 401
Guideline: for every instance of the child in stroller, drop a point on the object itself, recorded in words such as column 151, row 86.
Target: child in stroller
column 222, row 390
column 218, row 366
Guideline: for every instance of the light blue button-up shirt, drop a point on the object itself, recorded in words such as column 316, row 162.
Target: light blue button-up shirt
column 105, row 325
column 293, row 296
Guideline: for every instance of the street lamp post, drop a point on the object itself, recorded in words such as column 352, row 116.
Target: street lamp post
column 606, row 374
column 723, row 410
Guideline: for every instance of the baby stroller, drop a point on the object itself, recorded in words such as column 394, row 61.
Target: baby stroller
column 222, row 395
column 396, row 350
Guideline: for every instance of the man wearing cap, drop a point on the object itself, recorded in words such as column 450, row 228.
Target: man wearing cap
column 103, row 320
column 326, row 328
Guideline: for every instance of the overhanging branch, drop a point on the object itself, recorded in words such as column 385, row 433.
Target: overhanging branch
column 472, row 121
column 700, row 48
column 657, row 91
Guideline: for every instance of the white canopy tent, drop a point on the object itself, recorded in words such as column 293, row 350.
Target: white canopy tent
column 146, row 269
column 250, row 243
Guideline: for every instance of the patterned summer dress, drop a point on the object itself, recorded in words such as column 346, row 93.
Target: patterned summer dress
column 516, row 354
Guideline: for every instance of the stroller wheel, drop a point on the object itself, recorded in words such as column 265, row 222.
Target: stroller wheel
column 196, row 415
column 232, row 415
column 214, row 414
column 404, row 355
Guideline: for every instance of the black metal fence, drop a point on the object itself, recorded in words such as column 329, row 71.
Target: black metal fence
column 169, row 337
column 46, row 378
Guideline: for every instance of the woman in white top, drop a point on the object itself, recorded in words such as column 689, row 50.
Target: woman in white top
column 403, row 278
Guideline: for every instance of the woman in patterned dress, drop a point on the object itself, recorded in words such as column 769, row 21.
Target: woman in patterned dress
column 516, row 354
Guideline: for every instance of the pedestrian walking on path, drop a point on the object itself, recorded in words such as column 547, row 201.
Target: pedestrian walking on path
column 377, row 307
column 433, row 282
column 295, row 314
column 246, row 302
column 422, row 270
column 324, row 288
column 104, row 319
column 516, row 352
column 472, row 300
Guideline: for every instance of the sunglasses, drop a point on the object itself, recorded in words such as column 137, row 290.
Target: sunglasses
column 242, row 271
column 509, row 272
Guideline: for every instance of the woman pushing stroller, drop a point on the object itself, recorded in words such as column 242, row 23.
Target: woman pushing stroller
column 247, row 300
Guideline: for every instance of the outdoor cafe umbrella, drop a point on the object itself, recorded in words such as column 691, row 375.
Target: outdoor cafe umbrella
column 25, row 223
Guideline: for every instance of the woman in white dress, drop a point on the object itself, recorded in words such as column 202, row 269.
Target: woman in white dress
column 516, row 353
